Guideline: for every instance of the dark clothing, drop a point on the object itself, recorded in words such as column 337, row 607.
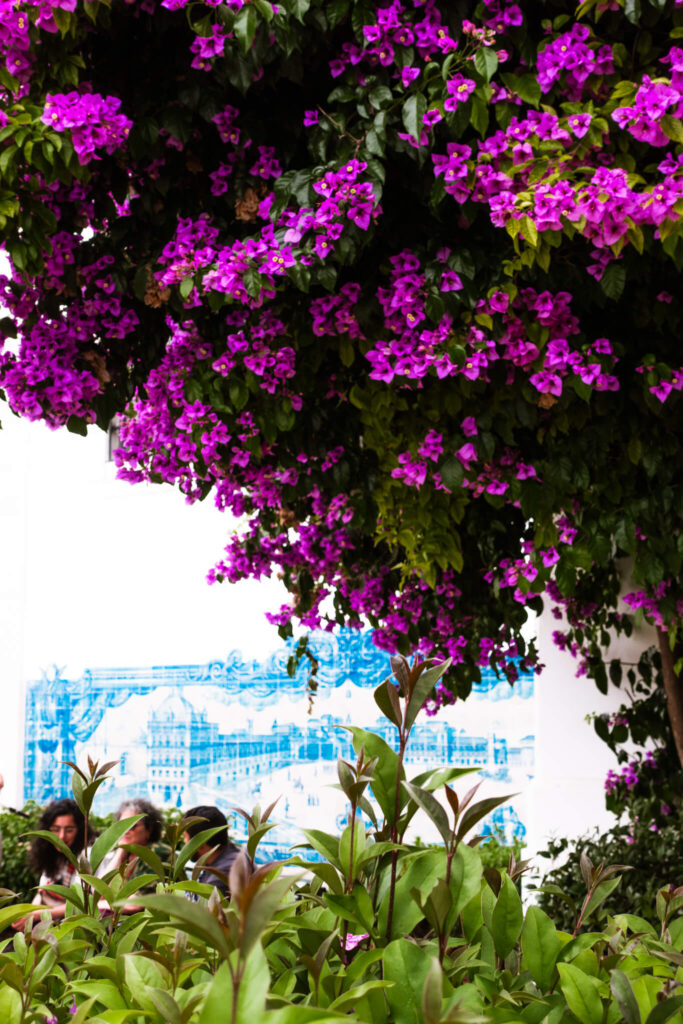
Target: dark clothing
column 227, row 855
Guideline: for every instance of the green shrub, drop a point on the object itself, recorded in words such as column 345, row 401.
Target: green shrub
column 652, row 859
column 379, row 931
column 14, row 871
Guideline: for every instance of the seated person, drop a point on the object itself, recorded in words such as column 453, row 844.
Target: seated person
column 64, row 819
column 222, row 852
column 145, row 832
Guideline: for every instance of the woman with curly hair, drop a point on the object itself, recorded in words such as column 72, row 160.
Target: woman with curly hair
column 63, row 819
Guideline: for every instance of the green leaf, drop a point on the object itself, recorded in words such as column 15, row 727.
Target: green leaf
column 622, row 990
column 579, row 991
column 475, row 812
column 486, row 62
column 438, row 777
column 452, row 474
column 635, row 449
column 259, row 913
column 422, row 689
column 245, row 26
column 524, row 86
column 109, row 838
column 414, row 109
column 386, row 778
column 349, row 1000
column 191, row 918
column 324, row 844
column 250, row 999
column 507, row 918
column 57, row 843
column 540, row 946
column 8, row 915
column 191, row 847
column 265, row 9
column 138, row 972
column 387, row 700
column 252, row 280
column 432, row 809
column 148, row 857
column 422, row 873
column 345, row 850
column 613, row 281
column 672, row 127
column 604, row 890
column 165, row 1004
column 465, row 880
column 301, row 276
column 479, row 115
column 407, row 966
column 665, row 1010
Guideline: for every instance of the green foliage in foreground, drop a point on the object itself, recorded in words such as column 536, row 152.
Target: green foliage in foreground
column 377, row 931
column 14, row 870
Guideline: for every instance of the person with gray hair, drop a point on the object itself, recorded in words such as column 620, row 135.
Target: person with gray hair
column 145, row 832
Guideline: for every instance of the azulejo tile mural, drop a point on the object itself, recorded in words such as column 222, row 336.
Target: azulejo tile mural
column 238, row 732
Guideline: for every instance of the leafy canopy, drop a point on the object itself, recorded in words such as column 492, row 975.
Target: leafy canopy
column 396, row 282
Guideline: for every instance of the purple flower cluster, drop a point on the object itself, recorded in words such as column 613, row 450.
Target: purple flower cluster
column 333, row 315
column 573, row 56
column 395, row 32
column 601, row 202
column 205, row 48
column 59, row 365
column 92, row 120
column 344, row 197
column 649, row 602
column 653, row 100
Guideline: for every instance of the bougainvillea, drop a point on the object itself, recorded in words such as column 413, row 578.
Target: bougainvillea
column 396, row 283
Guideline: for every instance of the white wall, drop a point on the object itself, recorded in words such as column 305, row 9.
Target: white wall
column 97, row 572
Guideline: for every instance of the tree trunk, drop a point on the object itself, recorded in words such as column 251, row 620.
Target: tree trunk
column 673, row 686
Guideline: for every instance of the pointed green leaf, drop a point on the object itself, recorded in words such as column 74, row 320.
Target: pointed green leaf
column 387, row 700
column 348, row 1000
column 665, row 1010
column 477, row 811
column 432, row 993
column 109, row 838
column 414, row 109
column 422, row 690
column 245, row 26
column 408, row 966
column 386, row 773
column 432, row 808
column 191, row 918
column 507, row 918
column 622, row 990
column 579, row 991
column 324, row 844
column 191, row 847
column 486, row 62
column 540, row 946
column 465, row 880
column 261, row 909
column 58, row 844
column 345, row 851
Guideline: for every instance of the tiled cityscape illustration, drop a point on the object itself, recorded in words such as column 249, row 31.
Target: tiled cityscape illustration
column 236, row 733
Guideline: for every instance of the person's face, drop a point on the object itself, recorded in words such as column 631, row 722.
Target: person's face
column 65, row 828
column 139, row 833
